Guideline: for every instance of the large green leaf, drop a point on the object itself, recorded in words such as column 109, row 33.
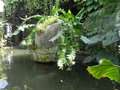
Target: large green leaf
column 105, row 69
column 86, row 40
column 109, row 40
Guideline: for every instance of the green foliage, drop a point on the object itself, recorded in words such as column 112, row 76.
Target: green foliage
column 41, row 5
column 68, row 46
column 86, row 40
column 3, row 39
column 40, row 26
column 42, row 23
column 29, row 40
column 98, row 35
column 68, row 36
column 57, row 3
column 25, row 7
column 105, row 69
column 101, row 29
column 108, row 1
column 89, row 6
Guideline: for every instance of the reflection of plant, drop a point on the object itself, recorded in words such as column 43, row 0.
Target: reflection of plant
column 3, row 65
column 2, row 70
column 3, row 43
column 25, row 87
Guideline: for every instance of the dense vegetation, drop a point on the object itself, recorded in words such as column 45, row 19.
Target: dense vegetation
column 92, row 31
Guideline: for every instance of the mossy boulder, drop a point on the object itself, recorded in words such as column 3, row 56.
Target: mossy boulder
column 46, row 50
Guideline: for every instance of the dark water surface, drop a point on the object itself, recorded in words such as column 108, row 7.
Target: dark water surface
column 19, row 72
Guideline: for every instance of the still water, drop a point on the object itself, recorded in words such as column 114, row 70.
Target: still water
column 19, row 72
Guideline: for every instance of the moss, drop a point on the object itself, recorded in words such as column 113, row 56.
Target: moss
column 50, row 20
column 45, row 59
column 44, row 55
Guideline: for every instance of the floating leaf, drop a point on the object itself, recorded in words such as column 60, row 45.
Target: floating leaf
column 105, row 69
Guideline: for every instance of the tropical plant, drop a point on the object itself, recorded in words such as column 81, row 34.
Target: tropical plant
column 71, row 31
column 105, row 69
column 101, row 33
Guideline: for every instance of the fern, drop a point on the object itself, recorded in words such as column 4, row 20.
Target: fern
column 45, row 22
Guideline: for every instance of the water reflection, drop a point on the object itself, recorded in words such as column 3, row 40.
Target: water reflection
column 3, row 84
column 22, row 73
column 10, row 57
column 3, row 67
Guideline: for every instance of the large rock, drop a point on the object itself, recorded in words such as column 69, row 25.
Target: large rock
column 46, row 50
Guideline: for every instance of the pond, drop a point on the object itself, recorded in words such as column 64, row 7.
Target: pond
column 19, row 72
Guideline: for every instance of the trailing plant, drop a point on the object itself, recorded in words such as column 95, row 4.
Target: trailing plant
column 68, row 47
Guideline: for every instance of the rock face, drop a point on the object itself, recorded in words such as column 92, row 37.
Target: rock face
column 46, row 50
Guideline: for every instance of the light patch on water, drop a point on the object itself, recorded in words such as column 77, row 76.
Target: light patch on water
column 9, row 58
column 3, row 84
